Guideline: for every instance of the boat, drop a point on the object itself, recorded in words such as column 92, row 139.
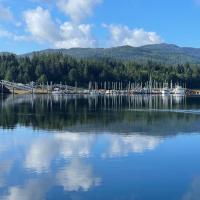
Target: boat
column 94, row 92
column 107, row 92
column 86, row 92
column 145, row 90
column 56, row 91
column 165, row 91
column 178, row 90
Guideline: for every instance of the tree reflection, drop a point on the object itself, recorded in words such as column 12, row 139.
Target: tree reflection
column 108, row 113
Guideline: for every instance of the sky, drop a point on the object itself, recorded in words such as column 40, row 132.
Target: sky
column 32, row 25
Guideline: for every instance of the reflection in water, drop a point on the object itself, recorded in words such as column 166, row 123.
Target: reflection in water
column 74, row 147
column 40, row 154
column 194, row 190
column 66, row 145
column 38, row 158
column 123, row 145
column 34, row 189
column 98, row 102
column 5, row 168
column 77, row 176
column 116, row 114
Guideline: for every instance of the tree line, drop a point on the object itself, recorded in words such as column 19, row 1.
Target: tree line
column 56, row 68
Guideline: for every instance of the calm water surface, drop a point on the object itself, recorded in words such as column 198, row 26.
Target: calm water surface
column 99, row 148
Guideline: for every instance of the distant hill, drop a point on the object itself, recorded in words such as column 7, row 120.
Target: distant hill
column 165, row 53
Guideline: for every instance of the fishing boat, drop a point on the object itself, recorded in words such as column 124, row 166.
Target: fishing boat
column 178, row 90
column 56, row 91
column 165, row 91
column 94, row 93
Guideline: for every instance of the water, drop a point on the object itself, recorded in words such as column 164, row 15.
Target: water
column 94, row 148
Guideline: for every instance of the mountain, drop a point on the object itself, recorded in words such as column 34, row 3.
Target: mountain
column 165, row 53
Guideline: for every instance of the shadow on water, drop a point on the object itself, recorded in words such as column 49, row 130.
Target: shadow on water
column 155, row 115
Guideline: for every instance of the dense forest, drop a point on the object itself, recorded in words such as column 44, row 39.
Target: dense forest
column 168, row 53
column 63, row 68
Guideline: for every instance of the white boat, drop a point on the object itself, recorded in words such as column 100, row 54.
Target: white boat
column 178, row 90
column 56, row 91
column 165, row 91
column 86, row 92
column 145, row 90
column 94, row 92
column 107, row 92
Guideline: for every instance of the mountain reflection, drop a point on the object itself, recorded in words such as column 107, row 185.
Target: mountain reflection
column 115, row 114
column 55, row 147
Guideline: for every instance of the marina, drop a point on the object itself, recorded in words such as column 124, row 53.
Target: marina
column 107, row 88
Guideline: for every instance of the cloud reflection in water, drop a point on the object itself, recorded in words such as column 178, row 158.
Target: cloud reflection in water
column 68, row 145
column 72, row 152
column 77, row 176
column 123, row 145
column 194, row 191
column 34, row 189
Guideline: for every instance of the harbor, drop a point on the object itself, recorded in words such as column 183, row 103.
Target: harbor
column 106, row 88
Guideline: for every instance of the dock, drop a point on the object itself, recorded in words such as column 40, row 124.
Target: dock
column 93, row 89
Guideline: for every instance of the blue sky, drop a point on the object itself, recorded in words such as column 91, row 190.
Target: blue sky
column 30, row 25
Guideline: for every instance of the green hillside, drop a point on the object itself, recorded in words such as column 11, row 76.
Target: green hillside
column 164, row 53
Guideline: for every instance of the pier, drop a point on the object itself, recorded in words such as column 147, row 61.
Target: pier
column 19, row 88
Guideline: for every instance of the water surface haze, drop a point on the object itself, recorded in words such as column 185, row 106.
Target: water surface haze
column 99, row 147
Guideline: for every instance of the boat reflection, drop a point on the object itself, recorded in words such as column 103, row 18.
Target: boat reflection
column 117, row 114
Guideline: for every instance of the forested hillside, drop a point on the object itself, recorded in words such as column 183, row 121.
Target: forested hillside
column 164, row 53
column 58, row 67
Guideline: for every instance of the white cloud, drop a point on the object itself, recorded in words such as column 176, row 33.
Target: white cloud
column 12, row 36
column 67, row 35
column 77, row 9
column 77, row 176
column 6, row 14
column 73, row 35
column 122, row 35
column 40, row 25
